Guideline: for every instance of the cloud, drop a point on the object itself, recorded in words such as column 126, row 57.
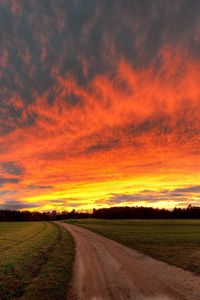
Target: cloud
column 135, row 198
column 13, row 168
column 189, row 189
column 16, row 205
column 90, row 39
column 7, row 192
column 40, row 187
column 152, row 196
column 8, row 180
column 98, row 147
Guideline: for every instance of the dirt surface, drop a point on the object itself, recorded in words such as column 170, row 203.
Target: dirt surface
column 106, row 270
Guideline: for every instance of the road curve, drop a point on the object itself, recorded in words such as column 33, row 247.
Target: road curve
column 105, row 270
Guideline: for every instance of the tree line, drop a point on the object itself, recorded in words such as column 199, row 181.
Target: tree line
column 125, row 212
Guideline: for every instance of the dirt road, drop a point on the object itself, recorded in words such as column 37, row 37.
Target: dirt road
column 106, row 270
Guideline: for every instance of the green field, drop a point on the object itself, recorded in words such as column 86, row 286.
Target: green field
column 36, row 260
column 174, row 241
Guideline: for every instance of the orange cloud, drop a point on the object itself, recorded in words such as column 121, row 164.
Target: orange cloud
column 138, row 128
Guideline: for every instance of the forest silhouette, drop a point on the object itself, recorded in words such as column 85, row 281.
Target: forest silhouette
column 126, row 212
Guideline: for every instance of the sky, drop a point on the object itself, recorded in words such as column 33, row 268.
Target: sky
column 99, row 103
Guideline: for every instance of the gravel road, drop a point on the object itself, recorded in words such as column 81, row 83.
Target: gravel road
column 105, row 270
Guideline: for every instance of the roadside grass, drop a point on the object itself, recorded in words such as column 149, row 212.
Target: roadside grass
column 36, row 260
column 176, row 242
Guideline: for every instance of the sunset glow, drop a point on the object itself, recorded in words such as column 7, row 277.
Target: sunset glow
column 91, row 117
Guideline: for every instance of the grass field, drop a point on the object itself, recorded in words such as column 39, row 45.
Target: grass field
column 174, row 241
column 36, row 260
